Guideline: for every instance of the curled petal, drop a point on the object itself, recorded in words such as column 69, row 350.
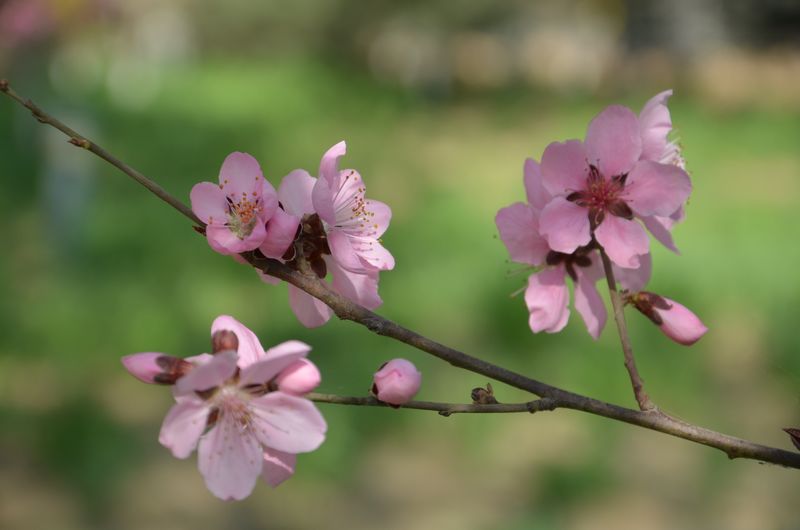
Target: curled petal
column 564, row 167
column 275, row 361
column 635, row 280
column 613, row 142
column 655, row 125
column 182, row 427
column 230, row 459
column 287, row 423
column 362, row 288
column 546, row 297
column 657, row 189
column 250, row 349
column 294, row 193
column 309, row 311
column 519, row 229
column 278, row 467
column 280, row 233
column 624, row 241
column 565, row 225
column 660, row 228
column 329, row 165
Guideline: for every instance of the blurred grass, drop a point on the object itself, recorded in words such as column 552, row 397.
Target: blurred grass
column 114, row 271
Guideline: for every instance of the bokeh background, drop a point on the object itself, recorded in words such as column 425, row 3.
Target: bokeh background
column 440, row 103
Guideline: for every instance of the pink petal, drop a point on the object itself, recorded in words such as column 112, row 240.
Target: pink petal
column 230, row 459
column 241, row 175
column 276, row 360
column 310, row 311
column 564, row 167
column 380, row 214
column 182, row 427
column 329, row 165
column 295, row 191
column 654, row 125
column 565, row 225
column 546, row 297
column 269, row 200
column 250, row 349
column 372, row 253
column 322, row 199
column 268, row 279
column 278, row 467
column 144, row 366
column 659, row 227
column 635, row 280
column 589, row 304
column 519, row 230
column 361, row 288
column 656, row 189
column 287, row 423
column 680, row 324
column 613, row 141
column 224, row 241
column 280, row 233
column 537, row 195
column 209, row 204
column 624, row 241
column 349, row 192
column 299, row 378
column 208, row 375
column 341, row 245
column 397, row 382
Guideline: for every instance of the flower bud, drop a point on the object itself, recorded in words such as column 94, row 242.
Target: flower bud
column 396, row 382
column 156, row 368
column 672, row 318
column 299, row 378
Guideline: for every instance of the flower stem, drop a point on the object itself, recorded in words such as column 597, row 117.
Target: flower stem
column 444, row 409
column 619, row 316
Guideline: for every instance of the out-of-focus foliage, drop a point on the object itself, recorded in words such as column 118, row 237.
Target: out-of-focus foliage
column 440, row 105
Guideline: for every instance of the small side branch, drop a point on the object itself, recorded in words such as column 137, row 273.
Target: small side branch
column 444, row 409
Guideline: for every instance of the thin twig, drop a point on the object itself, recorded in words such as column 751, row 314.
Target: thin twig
column 444, row 409
column 619, row 317
column 346, row 309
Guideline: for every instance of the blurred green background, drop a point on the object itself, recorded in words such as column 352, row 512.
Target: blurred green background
column 440, row 103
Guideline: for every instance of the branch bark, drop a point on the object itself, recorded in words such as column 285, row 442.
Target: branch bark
column 347, row 310
column 444, row 409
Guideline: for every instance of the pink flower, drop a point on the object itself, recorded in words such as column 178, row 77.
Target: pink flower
column 600, row 185
column 673, row 319
column 233, row 409
column 236, row 210
column 359, row 283
column 353, row 224
column 397, row 382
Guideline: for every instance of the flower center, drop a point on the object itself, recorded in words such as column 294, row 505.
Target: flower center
column 602, row 195
column 232, row 402
column 243, row 213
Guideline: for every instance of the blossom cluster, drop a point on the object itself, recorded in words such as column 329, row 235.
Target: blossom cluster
column 325, row 223
column 600, row 194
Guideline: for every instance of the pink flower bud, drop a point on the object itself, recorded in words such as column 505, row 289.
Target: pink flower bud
column 299, row 378
column 156, row 368
column 396, row 382
column 680, row 324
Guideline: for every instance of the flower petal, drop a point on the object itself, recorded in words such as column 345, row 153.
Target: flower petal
column 537, row 195
column 287, row 423
column 656, row 189
column 589, row 304
column 680, row 324
column 322, row 199
column 546, row 297
column 655, row 125
column 224, row 241
column 565, row 225
column 635, row 280
column 208, row 375
column 564, row 167
column 329, row 165
column 372, row 253
column 613, row 141
column 624, row 241
column 275, row 361
column 299, row 378
column 230, row 459
column 280, row 232
column 659, row 227
column 250, row 349
column 310, row 311
column 361, row 288
column 379, row 215
column 295, row 191
column 240, row 175
column 342, row 250
column 209, row 204
column 183, row 425
column 519, row 230
column 278, row 466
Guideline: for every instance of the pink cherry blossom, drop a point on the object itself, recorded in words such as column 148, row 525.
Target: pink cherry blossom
column 675, row 320
column 547, row 293
column 234, row 409
column 353, row 224
column 295, row 194
column 237, row 209
column 601, row 185
column 397, row 382
column 156, row 368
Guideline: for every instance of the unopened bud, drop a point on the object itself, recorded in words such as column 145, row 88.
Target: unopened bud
column 396, row 382
column 299, row 378
column 156, row 368
column 483, row 396
column 224, row 340
column 673, row 319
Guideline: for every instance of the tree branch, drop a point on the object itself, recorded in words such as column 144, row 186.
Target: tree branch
column 619, row 317
column 444, row 409
column 347, row 310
